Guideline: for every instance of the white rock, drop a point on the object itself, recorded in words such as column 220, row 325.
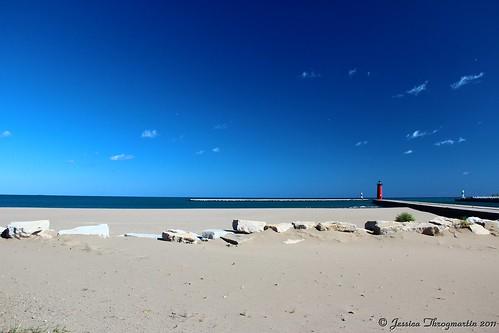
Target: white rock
column 213, row 233
column 424, row 228
column 279, row 227
column 336, row 226
column 304, row 224
column 445, row 221
column 248, row 226
column 384, row 227
column 140, row 235
column 293, row 241
column 181, row 236
column 22, row 229
column 101, row 230
column 478, row 229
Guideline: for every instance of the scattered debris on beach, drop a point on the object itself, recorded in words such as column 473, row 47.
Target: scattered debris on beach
column 101, row 230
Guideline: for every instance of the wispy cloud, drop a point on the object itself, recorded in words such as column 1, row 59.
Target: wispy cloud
column 417, row 89
column 121, row 157
column 200, row 152
column 352, row 72
column 466, row 173
column 450, row 142
column 5, row 134
column 220, row 126
column 467, row 79
column 361, row 143
column 149, row 134
column 216, row 150
column 445, row 142
column 418, row 133
column 309, row 75
column 407, row 152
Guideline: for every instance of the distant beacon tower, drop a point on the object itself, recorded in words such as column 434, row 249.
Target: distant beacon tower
column 379, row 192
column 462, row 194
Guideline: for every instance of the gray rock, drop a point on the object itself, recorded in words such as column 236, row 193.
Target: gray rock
column 248, row 226
column 304, row 225
column 25, row 229
column 478, row 229
column 279, row 227
column 336, row 226
column 181, row 236
column 236, row 239
column 213, row 233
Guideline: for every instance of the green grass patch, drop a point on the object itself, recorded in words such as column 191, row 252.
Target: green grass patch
column 405, row 217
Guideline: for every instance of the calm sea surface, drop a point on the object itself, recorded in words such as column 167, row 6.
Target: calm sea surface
column 53, row 201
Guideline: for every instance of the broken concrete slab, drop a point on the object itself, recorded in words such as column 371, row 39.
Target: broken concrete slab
column 24, row 229
column 236, row 239
column 279, row 227
column 101, row 230
column 336, row 226
column 305, row 225
column 292, row 241
column 478, row 229
column 445, row 221
column 181, row 236
column 140, row 235
column 213, row 233
column 248, row 226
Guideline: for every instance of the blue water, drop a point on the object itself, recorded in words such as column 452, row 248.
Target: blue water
column 56, row 201
column 53, row 201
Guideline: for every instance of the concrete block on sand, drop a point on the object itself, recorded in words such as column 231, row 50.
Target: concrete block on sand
column 279, row 227
column 445, row 221
column 336, row 226
column 478, row 229
column 101, row 230
column 23, row 229
column 490, row 225
column 181, row 236
column 248, row 226
column 304, row 225
column 391, row 227
column 236, row 239
column 213, row 233
column 140, row 235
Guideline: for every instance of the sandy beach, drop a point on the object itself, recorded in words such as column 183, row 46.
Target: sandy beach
column 329, row 281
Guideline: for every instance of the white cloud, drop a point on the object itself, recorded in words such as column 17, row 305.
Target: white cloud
column 466, row 173
column 445, row 142
column 200, row 152
column 121, row 157
column 352, row 72
column 309, row 75
column 216, row 150
column 416, row 134
column 220, row 126
column 398, row 96
column 417, row 89
column 5, row 134
column 450, row 141
column 150, row 134
column 467, row 79
column 407, row 152
column 361, row 143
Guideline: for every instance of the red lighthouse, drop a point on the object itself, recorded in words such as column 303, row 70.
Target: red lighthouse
column 379, row 192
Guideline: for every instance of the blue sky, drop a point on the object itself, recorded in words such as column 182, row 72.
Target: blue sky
column 283, row 99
